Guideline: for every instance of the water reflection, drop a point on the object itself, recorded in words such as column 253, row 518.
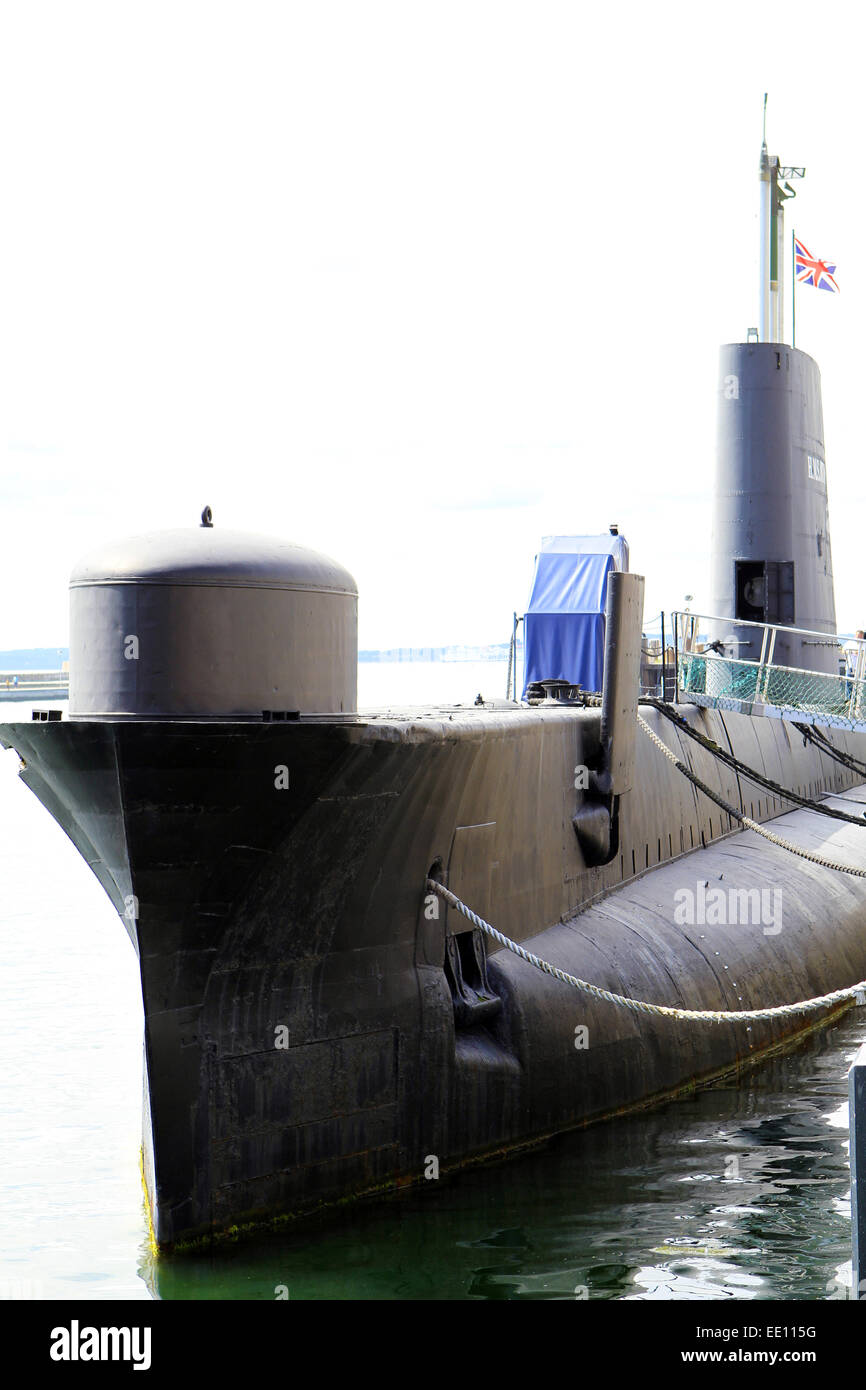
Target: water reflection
column 740, row 1192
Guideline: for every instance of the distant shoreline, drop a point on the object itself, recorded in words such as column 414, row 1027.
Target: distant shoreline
column 52, row 658
column 491, row 652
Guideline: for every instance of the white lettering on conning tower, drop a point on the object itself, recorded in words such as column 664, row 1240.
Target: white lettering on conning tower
column 816, row 468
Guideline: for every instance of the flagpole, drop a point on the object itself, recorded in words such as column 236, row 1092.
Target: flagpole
column 793, row 291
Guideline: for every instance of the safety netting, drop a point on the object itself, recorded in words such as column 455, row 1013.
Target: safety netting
column 783, row 691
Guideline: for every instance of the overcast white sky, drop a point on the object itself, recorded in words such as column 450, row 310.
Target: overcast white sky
column 411, row 283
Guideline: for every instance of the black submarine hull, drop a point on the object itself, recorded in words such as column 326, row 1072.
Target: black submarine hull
column 318, row 1026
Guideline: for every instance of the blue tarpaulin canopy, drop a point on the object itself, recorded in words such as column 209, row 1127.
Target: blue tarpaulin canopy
column 563, row 629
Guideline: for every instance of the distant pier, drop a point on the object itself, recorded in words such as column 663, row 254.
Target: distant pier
column 34, row 685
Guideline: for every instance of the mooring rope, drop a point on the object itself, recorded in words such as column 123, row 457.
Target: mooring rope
column 745, row 820
column 640, row 1006
column 822, row 743
column 742, row 769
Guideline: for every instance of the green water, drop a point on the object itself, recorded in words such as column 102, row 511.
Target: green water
column 741, row 1192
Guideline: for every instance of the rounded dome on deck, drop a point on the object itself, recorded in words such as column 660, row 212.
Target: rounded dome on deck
column 210, row 623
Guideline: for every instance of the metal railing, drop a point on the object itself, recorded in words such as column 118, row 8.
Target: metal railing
column 709, row 678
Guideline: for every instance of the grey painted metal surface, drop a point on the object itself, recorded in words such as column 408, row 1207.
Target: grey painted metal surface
column 771, row 558
column 208, row 623
column 857, row 1128
column 622, row 652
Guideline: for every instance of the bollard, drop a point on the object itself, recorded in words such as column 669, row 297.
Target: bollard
column 857, row 1127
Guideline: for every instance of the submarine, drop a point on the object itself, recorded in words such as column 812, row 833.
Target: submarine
column 373, row 944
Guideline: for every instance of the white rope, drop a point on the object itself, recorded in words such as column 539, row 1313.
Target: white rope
column 745, row 820
column 638, row 1005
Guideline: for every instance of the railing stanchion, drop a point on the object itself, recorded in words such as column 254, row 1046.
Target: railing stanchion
column 761, row 666
column 770, row 661
column 857, row 693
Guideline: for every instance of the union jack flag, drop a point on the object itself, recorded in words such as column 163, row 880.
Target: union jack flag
column 811, row 271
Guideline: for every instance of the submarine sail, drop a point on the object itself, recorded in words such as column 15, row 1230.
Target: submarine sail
column 771, row 556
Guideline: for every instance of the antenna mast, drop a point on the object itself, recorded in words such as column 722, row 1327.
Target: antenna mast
column 765, row 222
column 774, row 195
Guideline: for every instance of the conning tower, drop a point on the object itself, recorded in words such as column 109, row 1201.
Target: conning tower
column 771, row 557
